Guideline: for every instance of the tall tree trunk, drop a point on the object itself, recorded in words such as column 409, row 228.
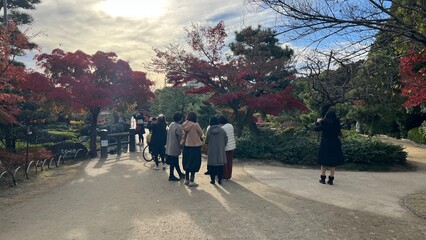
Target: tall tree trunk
column 253, row 127
column 239, row 125
column 10, row 140
column 248, row 119
column 93, row 132
column 244, row 119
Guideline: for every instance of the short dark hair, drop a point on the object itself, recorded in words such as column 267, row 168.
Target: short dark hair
column 223, row 120
column 162, row 120
column 192, row 116
column 177, row 117
column 213, row 121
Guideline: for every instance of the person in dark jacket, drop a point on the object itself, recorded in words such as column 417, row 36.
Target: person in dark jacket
column 158, row 140
column 330, row 152
column 216, row 141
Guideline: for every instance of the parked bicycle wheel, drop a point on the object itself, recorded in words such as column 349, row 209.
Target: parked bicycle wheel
column 146, row 154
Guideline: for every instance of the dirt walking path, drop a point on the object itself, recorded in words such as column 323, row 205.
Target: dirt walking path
column 124, row 198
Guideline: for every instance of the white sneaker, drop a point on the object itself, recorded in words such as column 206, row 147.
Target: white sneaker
column 164, row 166
column 156, row 168
column 186, row 182
column 192, row 184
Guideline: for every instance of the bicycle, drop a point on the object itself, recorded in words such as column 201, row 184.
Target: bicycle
column 146, row 153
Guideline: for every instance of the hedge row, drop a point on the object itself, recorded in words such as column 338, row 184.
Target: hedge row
column 295, row 148
column 416, row 135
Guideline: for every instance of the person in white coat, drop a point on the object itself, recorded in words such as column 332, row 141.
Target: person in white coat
column 229, row 148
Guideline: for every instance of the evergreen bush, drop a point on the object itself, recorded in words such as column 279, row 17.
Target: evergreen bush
column 422, row 129
column 293, row 147
column 366, row 150
column 43, row 136
column 416, row 135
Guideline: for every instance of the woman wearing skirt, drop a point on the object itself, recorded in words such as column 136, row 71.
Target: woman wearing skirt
column 191, row 141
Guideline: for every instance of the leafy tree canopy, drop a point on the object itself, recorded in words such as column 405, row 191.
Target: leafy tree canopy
column 16, row 14
column 91, row 82
column 12, row 43
column 256, row 78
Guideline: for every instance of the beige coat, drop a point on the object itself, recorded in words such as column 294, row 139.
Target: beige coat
column 192, row 134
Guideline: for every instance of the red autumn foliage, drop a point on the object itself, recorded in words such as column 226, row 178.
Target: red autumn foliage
column 254, row 83
column 12, row 44
column 10, row 159
column 91, row 82
column 413, row 76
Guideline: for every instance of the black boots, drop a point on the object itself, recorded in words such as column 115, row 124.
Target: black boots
column 330, row 180
column 173, row 178
column 322, row 180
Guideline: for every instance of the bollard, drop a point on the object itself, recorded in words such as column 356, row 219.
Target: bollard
column 119, row 147
column 132, row 140
column 104, row 143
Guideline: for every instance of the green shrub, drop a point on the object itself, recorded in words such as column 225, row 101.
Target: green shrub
column 299, row 150
column 77, row 124
column 57, row 126
column 287, row 147
column 365, row 150
column 67, row 135
column 84, row 130
column 43, row 136
column 416, row 136
column 294, row 147
column 422, row 129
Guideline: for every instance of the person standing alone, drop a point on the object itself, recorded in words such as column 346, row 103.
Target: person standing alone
column 330, row 152
column 173, row 148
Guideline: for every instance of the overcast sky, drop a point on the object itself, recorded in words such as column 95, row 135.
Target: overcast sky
column 131, row 28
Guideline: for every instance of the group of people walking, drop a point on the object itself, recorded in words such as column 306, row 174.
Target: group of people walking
column 167, row 144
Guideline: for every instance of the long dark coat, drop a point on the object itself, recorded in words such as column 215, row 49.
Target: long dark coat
column 158, row 138
column 330, row 151
column 216, row 141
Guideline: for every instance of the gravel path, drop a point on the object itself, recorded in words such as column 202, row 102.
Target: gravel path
column 124, row 198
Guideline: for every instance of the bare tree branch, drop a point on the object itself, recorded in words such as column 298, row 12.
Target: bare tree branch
column 362, row 20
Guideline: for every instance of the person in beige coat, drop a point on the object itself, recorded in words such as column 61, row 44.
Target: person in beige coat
column 191, row 142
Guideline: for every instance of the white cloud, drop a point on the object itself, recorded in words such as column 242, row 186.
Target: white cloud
column 132, row 28
column 86, row 25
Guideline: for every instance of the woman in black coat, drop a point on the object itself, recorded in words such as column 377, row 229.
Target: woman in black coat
column 158, row 140
column 330, row 151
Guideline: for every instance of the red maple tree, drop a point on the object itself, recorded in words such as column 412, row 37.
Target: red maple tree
column 12, row 44
column 245, row 83
column 413, row 78
column 91, row 82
